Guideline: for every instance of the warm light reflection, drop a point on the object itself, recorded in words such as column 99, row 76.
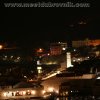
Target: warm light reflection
column 21, row 93
column 4, row 94
column 24, row 92
column 1, row 47
column 8, row 94
column 57, row 91
column 28, row 90
column 43, row 91
column 50, row 63
column 50, row 89
column 33, row 92
column 58, row 72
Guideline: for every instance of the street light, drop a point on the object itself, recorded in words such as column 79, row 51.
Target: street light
column 40, row 50
column 63, row 48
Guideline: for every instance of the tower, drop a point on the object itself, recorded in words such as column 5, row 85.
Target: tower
column 39, row 69
column 68, row 59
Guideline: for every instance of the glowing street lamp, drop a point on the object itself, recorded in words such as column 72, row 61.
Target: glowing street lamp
column 63, row 48
column 48, row 54
column 40, row 50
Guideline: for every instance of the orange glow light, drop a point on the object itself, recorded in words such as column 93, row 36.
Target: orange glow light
column 40, row 50
column 1, row 46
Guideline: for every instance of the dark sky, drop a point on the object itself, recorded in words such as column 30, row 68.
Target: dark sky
column 28, row 26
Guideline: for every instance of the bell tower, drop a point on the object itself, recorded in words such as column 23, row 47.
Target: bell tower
column 68, row 60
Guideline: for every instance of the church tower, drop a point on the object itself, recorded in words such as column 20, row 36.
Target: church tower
column 68, row 59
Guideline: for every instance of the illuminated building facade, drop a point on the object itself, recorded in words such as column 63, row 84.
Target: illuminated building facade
column 22, row 90
column 86, row 42
column 57, row 48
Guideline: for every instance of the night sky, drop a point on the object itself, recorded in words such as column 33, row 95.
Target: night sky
column 33, row 26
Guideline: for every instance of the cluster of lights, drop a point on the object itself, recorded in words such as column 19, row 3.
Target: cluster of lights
column 9, row 94
column 22, row 93
column 74, row 91
column 49, row 92
column 64, row 93
column 5, row 57
column 47, row 95
column 77, row 60
column 19, row 93
column 51, row 89
column 80, row 59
